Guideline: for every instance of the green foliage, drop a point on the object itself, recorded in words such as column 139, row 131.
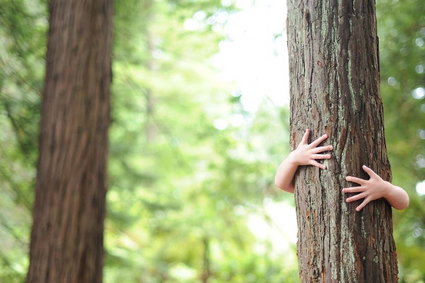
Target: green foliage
column 180, row 188
column 23, row 28
column 402, row 34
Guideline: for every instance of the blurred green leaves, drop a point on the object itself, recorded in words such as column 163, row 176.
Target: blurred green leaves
column 401, row 28
column 23, row 26
column 181, row 188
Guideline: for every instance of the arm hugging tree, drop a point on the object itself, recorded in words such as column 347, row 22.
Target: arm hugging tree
column 334, row 69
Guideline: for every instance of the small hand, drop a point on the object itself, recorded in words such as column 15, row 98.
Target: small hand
column 307, row 154
column 369, row 190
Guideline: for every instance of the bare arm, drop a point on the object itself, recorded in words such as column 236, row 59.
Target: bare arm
column 376, row 188
column 284, row 178
column 304, row 154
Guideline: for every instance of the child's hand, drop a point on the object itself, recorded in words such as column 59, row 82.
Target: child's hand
column 307, row 154
column 369, row 190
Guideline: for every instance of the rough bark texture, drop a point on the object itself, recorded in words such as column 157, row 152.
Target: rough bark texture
column 69, row 209
column 334, row 69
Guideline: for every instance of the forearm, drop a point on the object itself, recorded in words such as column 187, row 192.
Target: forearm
column 397, row 197
column 284, row 178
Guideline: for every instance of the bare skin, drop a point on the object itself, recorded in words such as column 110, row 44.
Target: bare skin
column 369, row 190
column 304, row 154
column 376, row 188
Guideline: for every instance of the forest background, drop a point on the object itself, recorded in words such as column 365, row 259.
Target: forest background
column 199, row 125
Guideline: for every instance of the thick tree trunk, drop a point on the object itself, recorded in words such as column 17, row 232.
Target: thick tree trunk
column 69, row 209
column 334, row 68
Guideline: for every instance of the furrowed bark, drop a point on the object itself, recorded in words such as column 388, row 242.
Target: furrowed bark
column 334, row 75
column 69, row 208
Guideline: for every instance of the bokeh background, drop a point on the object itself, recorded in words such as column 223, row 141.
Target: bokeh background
column 199, row 125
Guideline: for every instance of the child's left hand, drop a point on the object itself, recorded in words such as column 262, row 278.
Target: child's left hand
column 369, row 190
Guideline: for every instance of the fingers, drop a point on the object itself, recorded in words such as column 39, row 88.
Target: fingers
column 319, row 140
column 321, row 156
column 355, row 180
column 354, row 189
column 317, row 164
column 363, row 204
column 322, row 149
column 363, row 195
column 369, row 171
column 304, row 140
column 356, row 197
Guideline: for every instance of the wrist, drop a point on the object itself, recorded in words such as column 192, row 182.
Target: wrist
column 292, row 159
column 389, row 190
column 396, row 196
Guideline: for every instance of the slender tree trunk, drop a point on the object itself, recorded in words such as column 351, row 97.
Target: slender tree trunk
column 150, row 130
column 69, row 209
column 334, row 69
column 206, row 265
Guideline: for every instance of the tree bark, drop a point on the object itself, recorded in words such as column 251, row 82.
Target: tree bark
column 69, row 209
column 334, row 75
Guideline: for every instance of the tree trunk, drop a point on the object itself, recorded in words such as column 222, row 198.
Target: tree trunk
column 150, row 130
column 334, row 69
column 206, row 265
column 69, row 209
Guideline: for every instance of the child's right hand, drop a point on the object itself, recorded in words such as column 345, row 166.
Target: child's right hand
column 304, row 154
column 307, row 154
